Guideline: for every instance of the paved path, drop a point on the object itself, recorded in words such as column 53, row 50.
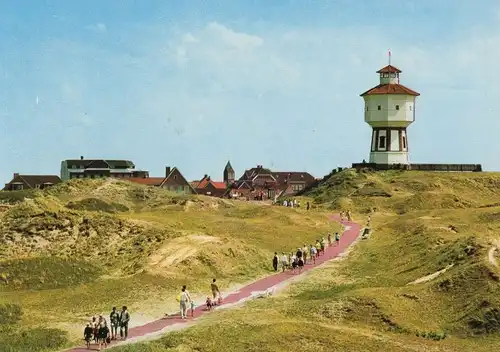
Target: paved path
column 351, row 233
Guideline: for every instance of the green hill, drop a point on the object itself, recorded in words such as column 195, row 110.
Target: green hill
column 81, row 247
column 427, row 279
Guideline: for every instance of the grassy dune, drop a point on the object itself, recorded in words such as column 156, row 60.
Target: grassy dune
column 83, row 246
column 384, row 295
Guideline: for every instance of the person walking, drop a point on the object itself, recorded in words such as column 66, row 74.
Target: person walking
column 215, row 289
column 184, row 299
column 337, row 238
column 284, row 261
column 329, row 239
column 103, row 335
column 124, row 320
column 114, row 320
column 305, row 253
column 313, row 253
column 275, row 261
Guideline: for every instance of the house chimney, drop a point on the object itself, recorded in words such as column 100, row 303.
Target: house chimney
column 208, row 178
column 205, row 176
column 81, row 157
column 15, row 174
column 167, row 171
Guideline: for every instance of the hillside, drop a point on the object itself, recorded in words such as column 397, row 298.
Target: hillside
column 81, row 247
column 427, row 279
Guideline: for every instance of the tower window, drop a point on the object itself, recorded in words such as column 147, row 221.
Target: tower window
column 381, row 142
column 397, row 107
column 393, row 75
column 367, row 108
column 379, row 107
column 404, row 142
column 410, row 107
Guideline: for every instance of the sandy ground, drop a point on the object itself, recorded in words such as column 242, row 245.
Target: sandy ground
column 430, row 277
column 255, row 295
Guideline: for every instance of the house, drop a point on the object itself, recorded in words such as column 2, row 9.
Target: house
column 21, row 182
column 261, row 183
column 208, row 187
column 95, row 168
column 173, row 181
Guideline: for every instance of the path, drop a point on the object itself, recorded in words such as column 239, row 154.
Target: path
column 351, row 233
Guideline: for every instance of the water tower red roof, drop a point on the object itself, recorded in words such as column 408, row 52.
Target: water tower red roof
column 389, row 69
column 390, row 89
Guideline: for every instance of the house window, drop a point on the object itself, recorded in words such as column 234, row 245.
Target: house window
column 367, row 108
column 381, row 142
column 397, row 107
column 404, row 142
column 175, row 177
column 379, row 107
column 73, row 166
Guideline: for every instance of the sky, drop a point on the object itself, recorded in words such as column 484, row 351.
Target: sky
column 194, row 84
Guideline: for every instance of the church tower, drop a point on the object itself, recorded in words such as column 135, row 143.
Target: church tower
column 389, row 110
column 228, row 174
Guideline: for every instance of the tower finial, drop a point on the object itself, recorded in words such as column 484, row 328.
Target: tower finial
column 389, row 52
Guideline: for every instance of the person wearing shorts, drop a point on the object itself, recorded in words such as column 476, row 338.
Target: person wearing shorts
column 294, row 264
column 305, row 251
column 313, row 253
column 87, row 334
column 300, row 264
column 184, row 299
column 284, row 261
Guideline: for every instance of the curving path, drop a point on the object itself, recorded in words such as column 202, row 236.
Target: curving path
column 351, row 233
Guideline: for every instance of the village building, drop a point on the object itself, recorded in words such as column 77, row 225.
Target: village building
column 173, row 181
column 23, row 182
column 208, row 187
column 260, row 183
column 96, row 168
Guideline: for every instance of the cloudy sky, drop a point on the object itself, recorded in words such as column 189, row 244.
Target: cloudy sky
column 193, row 84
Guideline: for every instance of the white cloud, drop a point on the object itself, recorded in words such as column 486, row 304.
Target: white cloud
column 98, row 28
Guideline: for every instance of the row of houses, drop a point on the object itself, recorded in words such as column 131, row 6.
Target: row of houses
column 257, row 183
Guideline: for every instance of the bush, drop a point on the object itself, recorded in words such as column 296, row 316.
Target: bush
column 38, row 339
column 10, row 314
column 45, row 273
column 14, row 197
column 94, row 204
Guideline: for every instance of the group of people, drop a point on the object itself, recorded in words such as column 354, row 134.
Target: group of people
column 185, row 300
column 101, row 333
column 296, row 260
column 346, row 215
column 294, row 203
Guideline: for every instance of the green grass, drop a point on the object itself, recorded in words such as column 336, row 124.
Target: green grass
column 45, row 273
column 64, row 264
column 422, row 222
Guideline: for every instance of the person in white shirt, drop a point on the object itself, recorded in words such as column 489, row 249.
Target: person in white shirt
column 284, row 261
column 184, row 299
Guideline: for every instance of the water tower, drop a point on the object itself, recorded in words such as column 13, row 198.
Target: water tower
column 389, row 110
